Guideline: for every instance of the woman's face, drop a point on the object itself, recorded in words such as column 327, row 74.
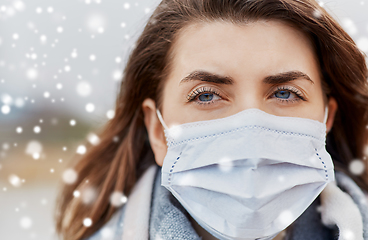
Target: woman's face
column 219, row 69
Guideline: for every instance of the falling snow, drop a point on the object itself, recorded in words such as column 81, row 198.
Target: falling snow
column 90, row 107
column 25, row 222
column 92, row 57
column 117, row 75
column 59, row 29
column 19, row 5
column 19, row 130
column 110, row 114
column 117, row 199
column 81, row 149
column 87, row 222
column 225, row 164
column 69, row 176
column 32, row 74
column 285, row 218
column 15, row 180
column 88, row 195
column 357, row 167
column 5, row 109
column 34, row 148
column 37, row 129
column 72, row 122
column 107, row 233
column 93, row 139
column 317, row 14
column 84, row 89
column 76, row 194
column 348, row 234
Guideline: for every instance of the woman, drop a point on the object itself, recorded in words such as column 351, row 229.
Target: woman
column 245, row 91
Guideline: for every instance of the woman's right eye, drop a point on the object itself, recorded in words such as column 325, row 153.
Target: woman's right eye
column 204, row 96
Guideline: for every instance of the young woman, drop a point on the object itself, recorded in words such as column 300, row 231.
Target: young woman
column 236, row 119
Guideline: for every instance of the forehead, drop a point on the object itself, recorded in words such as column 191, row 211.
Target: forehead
column 225, row 47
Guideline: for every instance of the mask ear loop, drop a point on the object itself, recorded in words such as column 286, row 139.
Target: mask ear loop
column 161, row 119
column 326, row 115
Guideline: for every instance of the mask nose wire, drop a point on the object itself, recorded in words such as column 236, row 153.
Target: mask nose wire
column 161, row 119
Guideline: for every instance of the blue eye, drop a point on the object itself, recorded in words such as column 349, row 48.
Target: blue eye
column 287, row 94
column 206, row 97
column 283, row 94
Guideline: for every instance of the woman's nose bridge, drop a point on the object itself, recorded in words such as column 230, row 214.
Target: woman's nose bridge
column 250, row 98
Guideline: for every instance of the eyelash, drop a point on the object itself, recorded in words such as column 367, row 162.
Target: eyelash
column 197, row 92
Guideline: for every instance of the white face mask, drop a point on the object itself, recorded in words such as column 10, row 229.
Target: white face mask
column 247, row 176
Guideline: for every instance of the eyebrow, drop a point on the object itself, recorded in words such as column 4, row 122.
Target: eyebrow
column 286, row 77
column 207, row 77
column 273, row 79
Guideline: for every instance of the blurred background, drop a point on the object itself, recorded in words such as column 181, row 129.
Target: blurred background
column 61, row 62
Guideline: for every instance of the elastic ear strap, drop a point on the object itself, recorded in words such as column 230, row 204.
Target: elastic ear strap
column 161, row 119
column 326, row 115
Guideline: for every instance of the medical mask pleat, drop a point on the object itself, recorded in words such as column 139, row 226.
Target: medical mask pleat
column 247, row 176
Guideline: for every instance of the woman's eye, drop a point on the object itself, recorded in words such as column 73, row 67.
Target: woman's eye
column 204, row 95
column 283, row 94
column 207, row 97
column 286, row 95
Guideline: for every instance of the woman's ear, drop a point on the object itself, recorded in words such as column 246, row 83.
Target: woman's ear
column 332, row 108
column 155, row 130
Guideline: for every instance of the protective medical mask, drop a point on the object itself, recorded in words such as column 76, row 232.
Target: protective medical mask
column 247, row 176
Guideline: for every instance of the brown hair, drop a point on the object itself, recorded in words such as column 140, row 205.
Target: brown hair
column 124, row 151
